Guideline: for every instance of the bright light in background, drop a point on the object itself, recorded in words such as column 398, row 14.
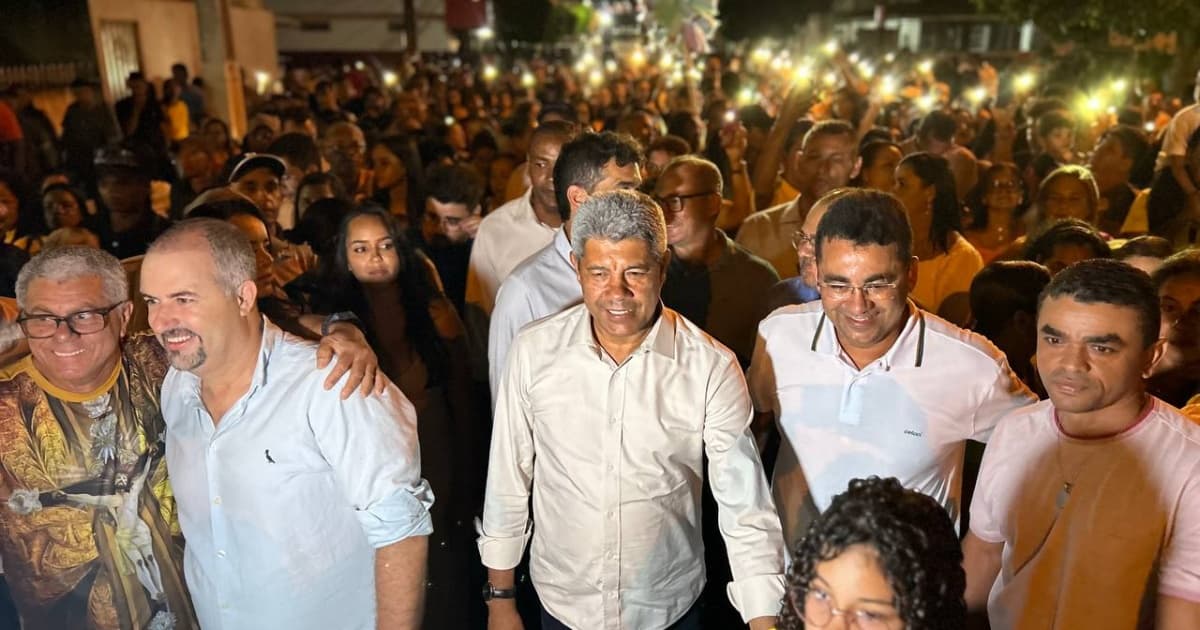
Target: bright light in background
column 1024, row 81
column 637, row 58
column 1150, row 127
column 830, row 79
column 745, row 96
column 977, row 94
column 605, row 18
column 1120, row 85
column 595, row 77
column 261, row 81
column 802, row 73
column 853, row 57
column 830, row 47
column 665, row 60
column 866, row 69
column 527, row 79
column 490, row 73
column 887, row 85
column 610, row 66
column 926, row 101
column 777, row 63
column 485, row 33
column 761, row 55
column 890, row 57
column 587, row 59
column 449, row 120
column 925, row 66
column 390, row 79
column 358, row 65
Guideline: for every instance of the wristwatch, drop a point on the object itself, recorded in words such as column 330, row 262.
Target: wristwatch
column 491, row 592
column 344, row 316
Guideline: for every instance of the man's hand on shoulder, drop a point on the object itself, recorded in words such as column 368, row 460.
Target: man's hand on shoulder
column 348, row 345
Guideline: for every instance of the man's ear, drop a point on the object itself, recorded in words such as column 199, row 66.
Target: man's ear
column 664, row 263
column 247, row 296
column 124, row 314
column 1153, row 355
column 857, row 167
column 576, row 195
column 912, row 273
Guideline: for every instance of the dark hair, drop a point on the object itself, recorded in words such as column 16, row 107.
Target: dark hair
column 403, row 147
column 871, row 152
column 1145, row 245
column 1132, row 140
column 28, row 223
column 454, row 184
column 319, row 179
column 977, row 200
column 831, row 128
column 935, row 171
column 1004, row 288
column 938, row 125
column 226, row 209
column 1184, row 263
column 319, row 225
column 80, row 200
column 673, row 145
column 755, row 117
column 797, row 134
column 1054, row 119
column 563, row 130
column 213, row 120
column 298, row 149
column 1101, row 281
column 555, row 109
column 914, row 540
column 867, row 217
column 1040, row 248
column 297, row 115
column 417, row 290
column 581, row 163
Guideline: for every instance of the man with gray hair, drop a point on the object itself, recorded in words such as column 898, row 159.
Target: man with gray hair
column 82, row 453
column 613, row 456
column 81, row 442
column 301, row 510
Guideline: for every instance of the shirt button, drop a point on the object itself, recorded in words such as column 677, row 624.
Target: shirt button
column 610, row 468
column 612, row 420
column 217, row 501
column 221, row 553
column 612, row 515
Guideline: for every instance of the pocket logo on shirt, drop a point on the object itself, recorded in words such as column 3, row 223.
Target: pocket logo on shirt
column 267, row 454
column 913, row 433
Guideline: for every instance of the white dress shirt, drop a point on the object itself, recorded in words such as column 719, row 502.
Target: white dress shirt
column 612, row 455
column 543, row 285
column 285, row 501
column 506, row 236
column 906, row 415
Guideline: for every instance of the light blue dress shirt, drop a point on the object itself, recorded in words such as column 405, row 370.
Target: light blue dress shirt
column 285, row 501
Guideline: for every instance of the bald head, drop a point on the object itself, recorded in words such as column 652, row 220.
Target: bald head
column 704, row 174
column 233, row 257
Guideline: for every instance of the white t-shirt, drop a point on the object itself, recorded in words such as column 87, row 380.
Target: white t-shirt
column 1134, row 503
column 1182, row 126
column 907, row 415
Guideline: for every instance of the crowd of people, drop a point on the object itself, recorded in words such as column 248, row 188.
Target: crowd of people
column 649, row 351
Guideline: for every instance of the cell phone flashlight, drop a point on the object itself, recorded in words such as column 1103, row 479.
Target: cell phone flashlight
column 730, row 116
column 449, row 121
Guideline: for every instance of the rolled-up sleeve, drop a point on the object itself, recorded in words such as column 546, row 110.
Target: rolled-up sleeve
column 747, row 516
column 371, row 444
column 505, row 528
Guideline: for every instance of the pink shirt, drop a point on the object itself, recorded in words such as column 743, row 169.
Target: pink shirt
column 1087, row 558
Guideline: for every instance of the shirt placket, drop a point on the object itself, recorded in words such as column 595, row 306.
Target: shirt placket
column 219, row 520
column 854, row 394
column 610, row 564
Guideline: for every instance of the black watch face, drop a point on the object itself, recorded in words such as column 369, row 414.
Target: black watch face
column 487, row 592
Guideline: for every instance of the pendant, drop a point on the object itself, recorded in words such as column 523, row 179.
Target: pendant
column 1063, row 494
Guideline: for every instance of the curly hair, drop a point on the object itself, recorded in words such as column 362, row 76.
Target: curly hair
column 918, row 551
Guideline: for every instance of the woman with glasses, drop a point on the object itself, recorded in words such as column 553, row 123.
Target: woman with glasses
column 996, row 205
column 880, row 558
column 947, row 261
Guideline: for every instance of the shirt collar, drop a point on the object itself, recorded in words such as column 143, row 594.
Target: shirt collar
column 562, row 245
column 660, row 339
column 908, row 348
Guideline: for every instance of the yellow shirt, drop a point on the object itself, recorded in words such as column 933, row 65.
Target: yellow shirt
column 768, row 235
column 946, row 274
column 784, row 193
column 177, row 116
column 1192, row 409
column 30, row 244
column 1138, row 219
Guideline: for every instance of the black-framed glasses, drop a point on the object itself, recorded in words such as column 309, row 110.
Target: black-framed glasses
column 673, row 204
column 80, row 322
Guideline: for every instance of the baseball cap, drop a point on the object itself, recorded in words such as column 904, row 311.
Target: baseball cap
column 252, row 161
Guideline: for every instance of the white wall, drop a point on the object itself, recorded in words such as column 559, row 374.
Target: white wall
column 167, row 33
column 357, row 25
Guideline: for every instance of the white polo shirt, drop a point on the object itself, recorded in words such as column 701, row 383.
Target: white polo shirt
column 907, row 415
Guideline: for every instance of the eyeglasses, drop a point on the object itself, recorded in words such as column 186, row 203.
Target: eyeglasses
column 819, row 611
column 349, row 149
column 673, row 204
column 800, row 237
column 80, row 322
column 870, row 290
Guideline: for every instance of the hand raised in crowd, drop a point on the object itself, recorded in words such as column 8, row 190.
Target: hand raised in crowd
column 349, row 346
column 734, row 139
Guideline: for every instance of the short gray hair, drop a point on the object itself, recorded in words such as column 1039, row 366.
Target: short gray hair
column 705, row 168
column 73, row 261
column 232, row 254
column 616, row 216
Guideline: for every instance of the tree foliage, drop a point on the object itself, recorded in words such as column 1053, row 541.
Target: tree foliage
column 1093, row 20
